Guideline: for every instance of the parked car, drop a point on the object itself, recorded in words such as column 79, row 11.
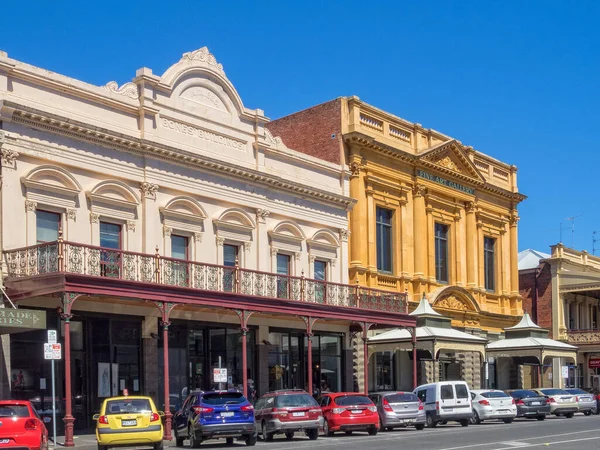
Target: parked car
column 530, row 404
column 288, row 411
column 399, row 409
column 446, row 401
column 21, row 426
column 492, row 404
column 586, row 402
column 129, row 421
column 348, row 411
column 561, row 402
column 215, row 415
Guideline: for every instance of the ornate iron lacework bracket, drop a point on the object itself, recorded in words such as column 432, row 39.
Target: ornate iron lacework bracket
column 165, row 309
column 244, row 317
column 67, row 299
column 309, row 322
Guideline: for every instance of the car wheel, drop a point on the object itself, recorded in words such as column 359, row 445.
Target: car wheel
column 587, row 413
column 464, row 423
column 326, row 430
column 443, row 422
column 509, row 420
column 229, row 441
column 430, row 422
column 420, row 426
column 372, row 430
column 159, row 446
column 101, row 447
column 267, row 437
column 251, row 440
column 313, row 433
column 348, row 433
column 289, row 435
column 475, row 419
column 569, row 415
column 541, row 417
column 194, row 443
column 178, row 440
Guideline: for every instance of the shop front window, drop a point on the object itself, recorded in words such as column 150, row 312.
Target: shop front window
column 383, row 371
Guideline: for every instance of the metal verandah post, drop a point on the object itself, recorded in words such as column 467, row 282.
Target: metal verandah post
column 165, row 324
column 244, row 316
column 67, row 301
column 414, row 352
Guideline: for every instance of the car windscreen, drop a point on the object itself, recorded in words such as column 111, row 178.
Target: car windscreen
column 126, row 406
column 229, row 398
column 493, row 394
column 294, row 400
column 524, row 394
column 402, row 398
column 554, row 392
column 351, row 400
column 577, row 391
column 14, row 411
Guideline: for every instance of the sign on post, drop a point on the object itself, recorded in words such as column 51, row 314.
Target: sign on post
column 52, row 351
column 52, row 337
column 565, row 371
column 220, row 375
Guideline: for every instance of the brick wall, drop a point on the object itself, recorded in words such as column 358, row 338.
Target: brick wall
column 310, row 131
column 540, row 309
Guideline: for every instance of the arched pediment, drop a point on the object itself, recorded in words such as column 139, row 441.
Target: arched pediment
column 454, row 298
column 288, row 229
column 116, row 191
column 324, row 238
column 234, row 224
column 184, row 206
column 236, row 216
column 52, row 178
column 198, row 81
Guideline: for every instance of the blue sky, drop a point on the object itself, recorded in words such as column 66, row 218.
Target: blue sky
column 515, row 79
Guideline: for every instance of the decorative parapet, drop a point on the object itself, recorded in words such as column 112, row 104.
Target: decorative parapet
column 128, row 89
column 578, row 337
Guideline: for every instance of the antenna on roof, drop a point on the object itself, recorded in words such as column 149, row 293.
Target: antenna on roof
column 572, row 220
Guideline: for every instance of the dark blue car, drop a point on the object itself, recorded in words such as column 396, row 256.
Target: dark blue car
column 214, row 415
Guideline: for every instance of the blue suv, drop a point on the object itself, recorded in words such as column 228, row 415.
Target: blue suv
column 214, row 415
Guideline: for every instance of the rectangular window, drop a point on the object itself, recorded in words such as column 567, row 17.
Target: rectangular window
column 47, row 226
column 283, row 268
column 441, row 252
column 110, row 238
column 489, row 248
column 178, row 275
column 320, row 270
column 179, row 247
column 320, row 276
column 230, row 258
column 384, row 239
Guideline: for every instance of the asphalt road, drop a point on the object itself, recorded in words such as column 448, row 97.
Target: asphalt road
column 580, row 432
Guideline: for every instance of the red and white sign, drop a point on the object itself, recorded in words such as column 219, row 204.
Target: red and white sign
column 52, row 351
column 594, row 363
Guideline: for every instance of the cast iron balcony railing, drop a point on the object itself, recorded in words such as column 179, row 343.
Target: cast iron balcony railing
column 576, row 337
column 69, row 257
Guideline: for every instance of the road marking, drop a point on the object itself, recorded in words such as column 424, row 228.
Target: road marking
column 515, row 443
column 546, row 444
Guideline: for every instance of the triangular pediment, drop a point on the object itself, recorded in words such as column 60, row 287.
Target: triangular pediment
column 449, row 157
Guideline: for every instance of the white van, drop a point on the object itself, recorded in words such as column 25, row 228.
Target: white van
column 446, row 401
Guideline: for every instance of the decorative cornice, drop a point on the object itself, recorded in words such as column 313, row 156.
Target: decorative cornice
column 204, row 55
column 98, row 136
column 128, row 89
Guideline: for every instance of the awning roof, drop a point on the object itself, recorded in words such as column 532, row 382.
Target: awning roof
column 530, row 342
column 425, row 333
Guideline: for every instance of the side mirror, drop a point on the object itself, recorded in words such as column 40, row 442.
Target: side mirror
column 96, row 416
column 161, row 414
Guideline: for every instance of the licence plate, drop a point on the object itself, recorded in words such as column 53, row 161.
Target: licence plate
column 129, row 423
column 407, row 421
column 536, row 403
column 4, row 441
column 226, row 414
column 356, row 411
column 298, row 414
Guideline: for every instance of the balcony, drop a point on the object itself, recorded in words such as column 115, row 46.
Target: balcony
column 62, row 257
column 583, row 337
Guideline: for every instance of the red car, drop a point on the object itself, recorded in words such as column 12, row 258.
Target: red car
column 20, row 426
column 348, row 411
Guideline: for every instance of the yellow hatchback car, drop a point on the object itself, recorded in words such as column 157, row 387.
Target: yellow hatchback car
column 125, row 421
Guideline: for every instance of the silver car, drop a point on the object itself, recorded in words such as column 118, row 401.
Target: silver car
column 586, row 402
column 399, row 409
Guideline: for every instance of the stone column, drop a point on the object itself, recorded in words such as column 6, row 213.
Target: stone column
column 514, row 251
column 358, row 213
column 420, row 231
column 471, row 245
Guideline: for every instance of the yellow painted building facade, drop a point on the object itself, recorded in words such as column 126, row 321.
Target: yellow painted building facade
column 426, row 182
